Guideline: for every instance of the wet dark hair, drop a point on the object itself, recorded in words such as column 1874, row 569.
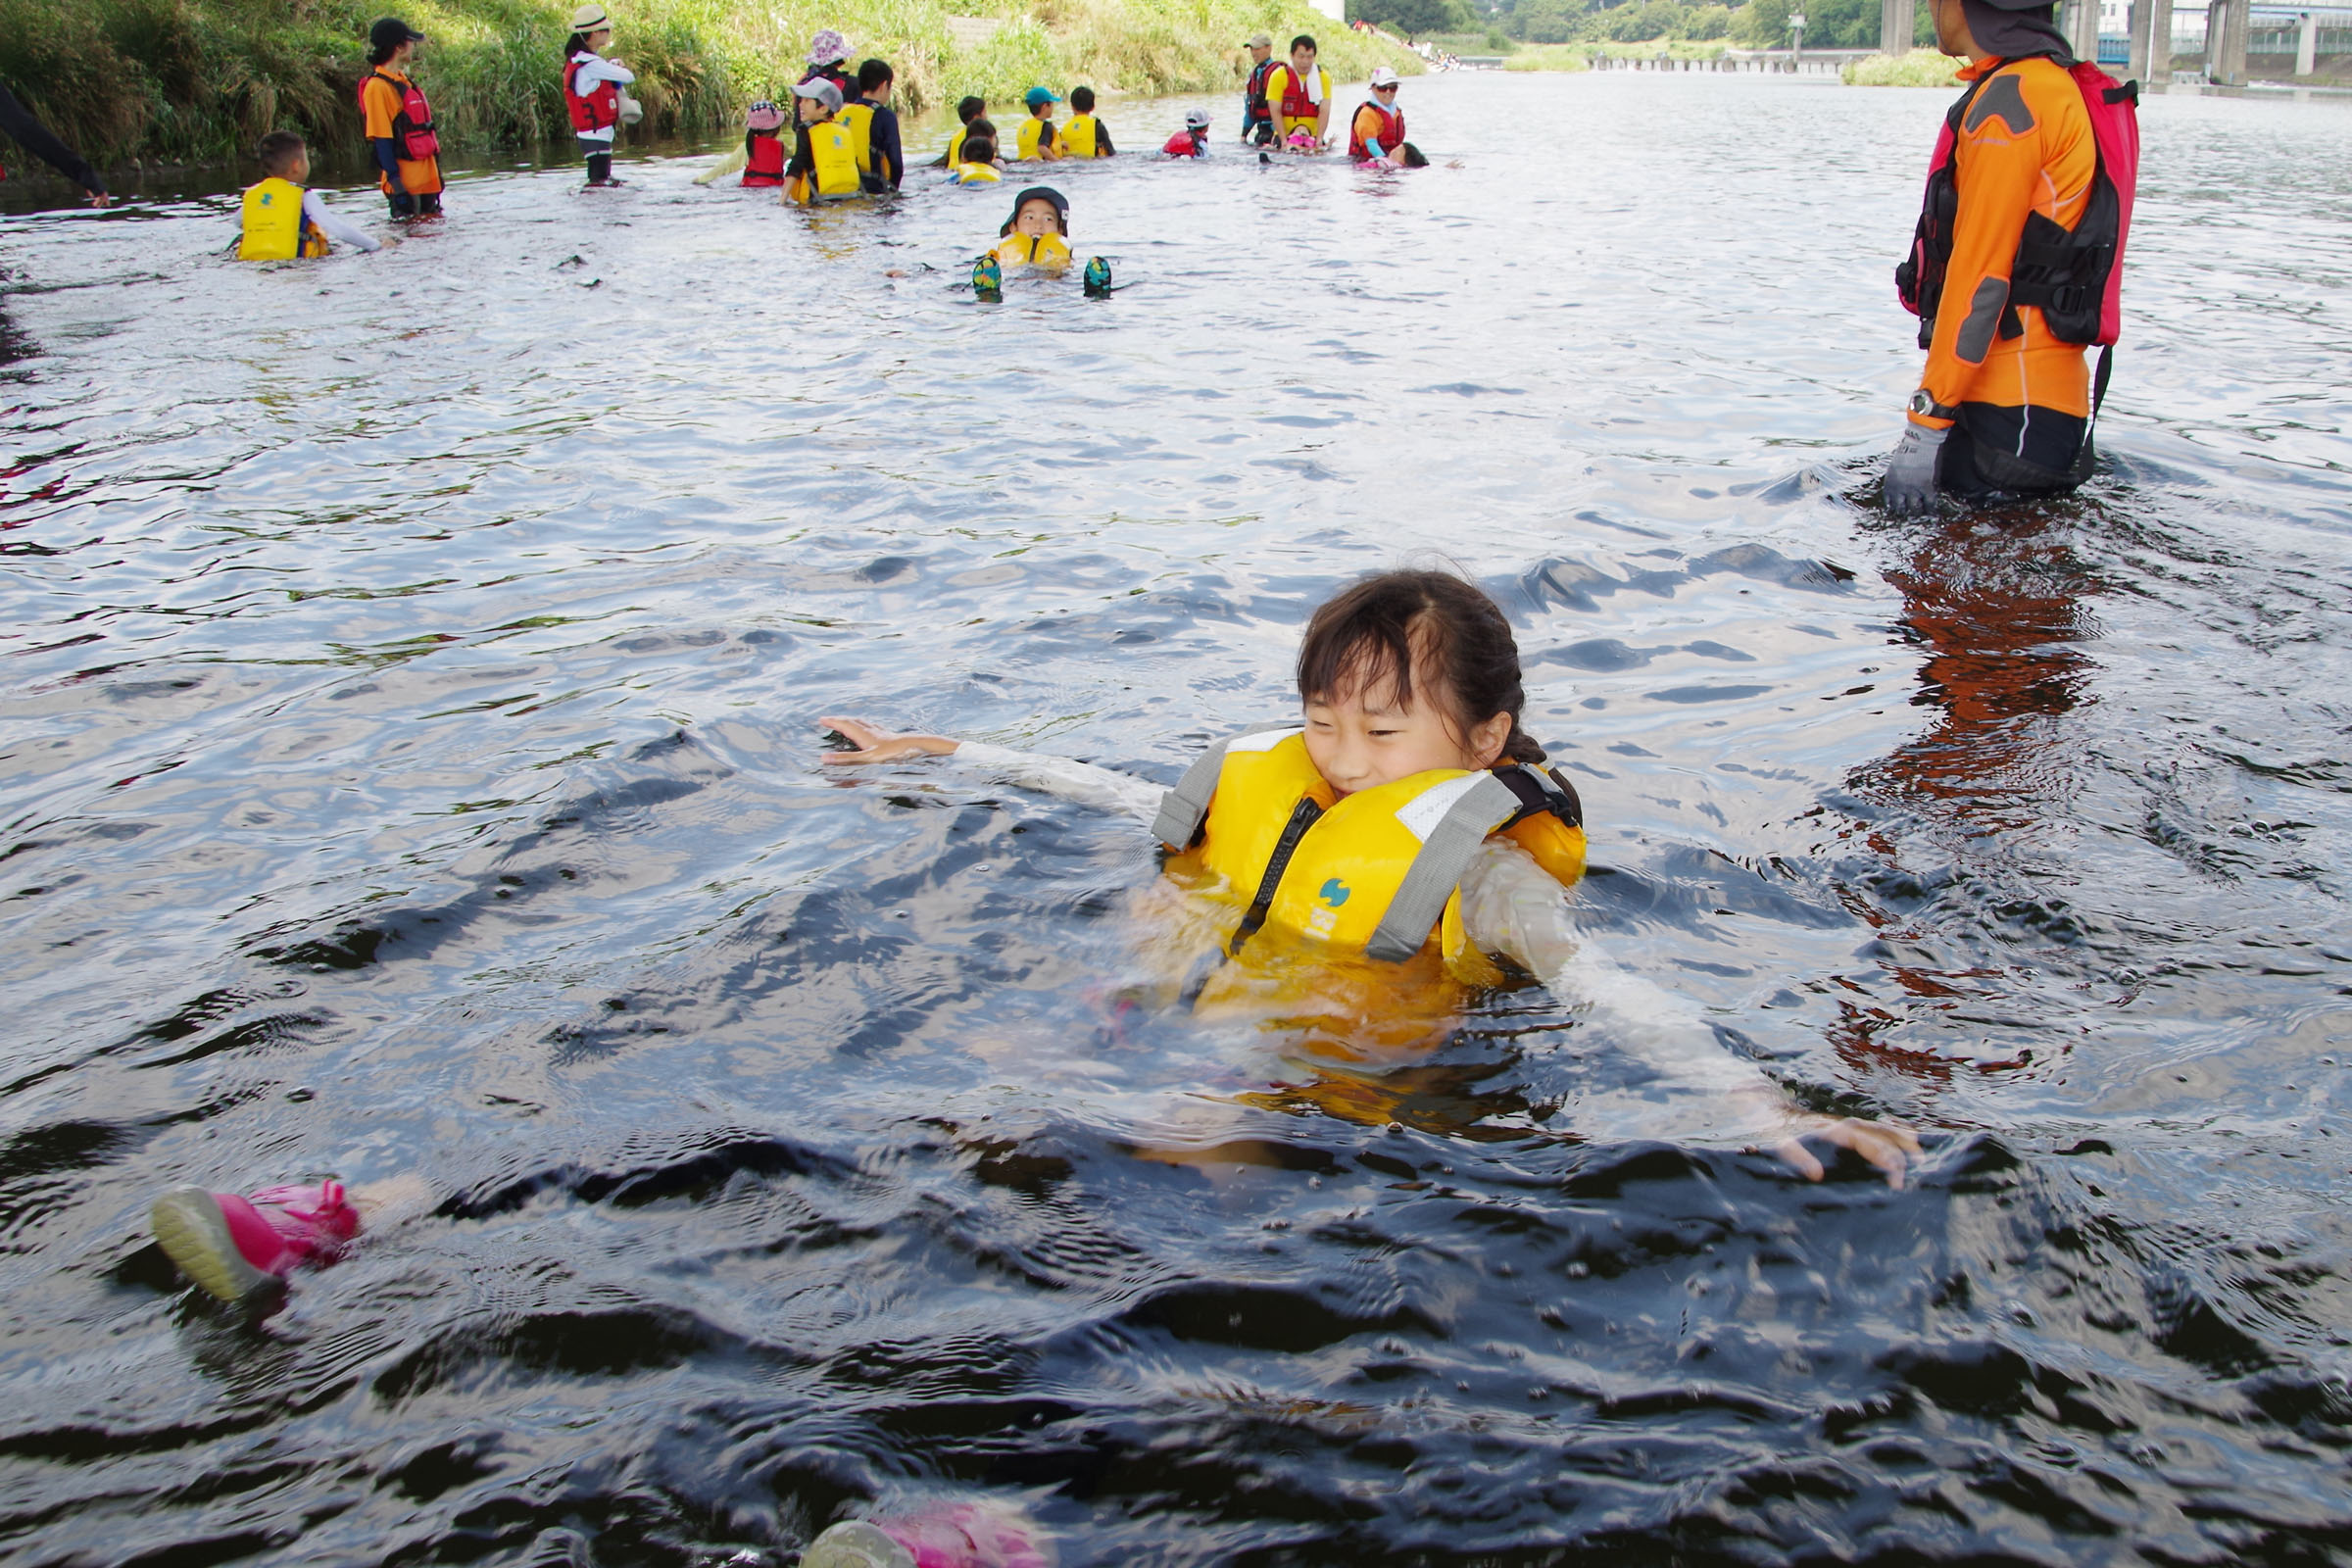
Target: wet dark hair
column 1374, row 633
column 979, row 149
column 873, row 73
column 971, row 109
column 1082, row 100
column 573, row 46
column 277, row 150
column 1302, row 41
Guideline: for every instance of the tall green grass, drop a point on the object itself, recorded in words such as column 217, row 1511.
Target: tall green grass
column 183, row 80
column 1921, row 67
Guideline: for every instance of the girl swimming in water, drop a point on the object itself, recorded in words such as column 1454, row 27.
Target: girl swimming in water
column 1403, row 833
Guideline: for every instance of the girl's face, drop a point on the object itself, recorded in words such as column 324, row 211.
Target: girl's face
column 1360, row 740
column 599, row 38
column 1036, row 217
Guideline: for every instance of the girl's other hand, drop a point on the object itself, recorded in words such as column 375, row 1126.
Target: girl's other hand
column 1888, row 1145
column 870, row 743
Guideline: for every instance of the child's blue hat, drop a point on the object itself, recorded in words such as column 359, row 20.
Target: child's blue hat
column 1041, row 95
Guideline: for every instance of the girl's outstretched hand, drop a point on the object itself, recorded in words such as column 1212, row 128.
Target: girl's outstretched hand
column 1888, row 1145
column 870, row 743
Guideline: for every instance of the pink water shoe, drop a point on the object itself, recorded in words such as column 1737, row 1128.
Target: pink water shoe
column 963, row 1535
column 240, row 1247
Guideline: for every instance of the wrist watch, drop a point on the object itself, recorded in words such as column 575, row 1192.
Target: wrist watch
column 1922, row 403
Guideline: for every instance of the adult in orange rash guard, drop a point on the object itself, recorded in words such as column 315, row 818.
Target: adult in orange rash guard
column 2003, row 405
column 412, row 187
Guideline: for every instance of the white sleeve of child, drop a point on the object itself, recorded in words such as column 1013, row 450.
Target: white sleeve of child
column 315, row 208
column 1064, row 778
column 1512, row 906
column 602, row 70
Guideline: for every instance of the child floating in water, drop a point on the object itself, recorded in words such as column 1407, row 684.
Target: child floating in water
column 977, row 157
column 1376, row 134
column 283, row 218
column 1037, row 237
column 1192, row 140
column 966, row 111
column 1397, row 837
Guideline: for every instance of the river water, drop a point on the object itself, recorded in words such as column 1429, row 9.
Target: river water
column 412, row 665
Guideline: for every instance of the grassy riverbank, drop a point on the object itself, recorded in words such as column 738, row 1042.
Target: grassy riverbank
column 1921, row 67
column 182, row 80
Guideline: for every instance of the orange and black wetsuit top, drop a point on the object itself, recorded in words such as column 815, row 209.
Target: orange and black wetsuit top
column 2023, row 145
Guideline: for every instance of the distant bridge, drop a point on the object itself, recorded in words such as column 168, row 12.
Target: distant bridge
column 2231, row 30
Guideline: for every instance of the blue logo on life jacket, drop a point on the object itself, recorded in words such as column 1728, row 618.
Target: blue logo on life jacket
column 1334, row 893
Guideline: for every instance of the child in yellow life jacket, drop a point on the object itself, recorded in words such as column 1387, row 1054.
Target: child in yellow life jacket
column 284, row 219
column 1402, row 833
column 873, row 128
column 976, row 161
column 824, row 164
column 1036, row 138
column 1084, row 136
column 967, row 111
column 1037, row 234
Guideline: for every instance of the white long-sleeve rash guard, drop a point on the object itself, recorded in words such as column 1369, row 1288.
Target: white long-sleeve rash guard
column 315, row 208
column 1512, row 907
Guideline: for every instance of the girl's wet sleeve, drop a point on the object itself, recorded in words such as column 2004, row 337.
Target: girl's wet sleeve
column 1064, row 778
column 1512, row 906
column 1998, row 162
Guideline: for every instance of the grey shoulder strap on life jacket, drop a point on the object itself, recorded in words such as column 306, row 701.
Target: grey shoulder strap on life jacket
column 1471, row 808
column 1185, row 807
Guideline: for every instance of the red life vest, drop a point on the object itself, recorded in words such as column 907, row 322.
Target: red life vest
column 2074, row 277
column 1182, row 145
column 1391, row 132
column 412, row 123
column 764, row 163
column 598, row 108
column 1254, row 95
column 1295, row 105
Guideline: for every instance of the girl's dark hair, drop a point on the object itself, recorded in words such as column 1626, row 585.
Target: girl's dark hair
column 579, row 42
column 971, row 109
column 979, row 148
column 1376, row 632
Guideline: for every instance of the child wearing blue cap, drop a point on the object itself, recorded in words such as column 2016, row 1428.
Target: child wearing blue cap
column 1037, row 139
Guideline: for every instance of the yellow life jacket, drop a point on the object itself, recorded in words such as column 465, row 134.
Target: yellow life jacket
column 1048, row 251
column 955, row 145
column 1377, row 873
column 1032, row 135
column 835, row 164
column 1077, row 138
column 975, row 174
column 275, row 228
column 859, row 119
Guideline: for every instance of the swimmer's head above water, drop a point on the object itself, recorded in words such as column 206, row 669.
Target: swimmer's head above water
column 1405, row 672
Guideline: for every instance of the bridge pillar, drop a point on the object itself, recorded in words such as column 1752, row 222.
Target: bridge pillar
column 2159, row 71
column 2226, row 43
column 2137, row 68
column 1894, row 27
column 2080, row 21
column 2307, row 44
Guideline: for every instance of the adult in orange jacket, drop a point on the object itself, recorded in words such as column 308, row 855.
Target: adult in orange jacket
column 2003, row 405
